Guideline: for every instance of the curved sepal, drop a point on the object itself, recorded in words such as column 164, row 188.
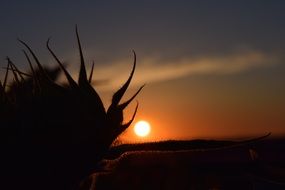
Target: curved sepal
column 125, row 104
column 70, row 80
column 82, row 73
column 119, row 94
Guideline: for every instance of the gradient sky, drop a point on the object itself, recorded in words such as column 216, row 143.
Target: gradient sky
column 213, row 69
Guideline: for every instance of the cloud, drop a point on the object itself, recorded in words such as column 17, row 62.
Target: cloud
column 155, row 69
column 152, row 69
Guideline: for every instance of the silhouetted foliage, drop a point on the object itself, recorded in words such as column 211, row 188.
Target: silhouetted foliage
column 51, row 135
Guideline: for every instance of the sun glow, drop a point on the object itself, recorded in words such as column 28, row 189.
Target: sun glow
column 142, row 128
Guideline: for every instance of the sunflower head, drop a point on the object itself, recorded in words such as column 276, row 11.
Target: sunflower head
column 57, row 131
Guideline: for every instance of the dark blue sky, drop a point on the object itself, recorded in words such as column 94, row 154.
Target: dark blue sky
column 172, row 28
column 219, row 65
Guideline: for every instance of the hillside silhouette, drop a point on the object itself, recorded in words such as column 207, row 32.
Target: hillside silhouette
column 256, row 163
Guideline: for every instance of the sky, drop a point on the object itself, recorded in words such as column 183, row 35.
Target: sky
column 212, row 69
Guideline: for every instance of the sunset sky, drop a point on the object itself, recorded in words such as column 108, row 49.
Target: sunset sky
column 212, row 69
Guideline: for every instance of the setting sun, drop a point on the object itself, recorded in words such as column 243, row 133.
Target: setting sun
column 142, row 128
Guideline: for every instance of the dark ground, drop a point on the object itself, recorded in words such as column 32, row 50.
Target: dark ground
column 195, row 164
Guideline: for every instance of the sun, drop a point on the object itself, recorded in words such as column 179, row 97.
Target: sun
column 142, row 128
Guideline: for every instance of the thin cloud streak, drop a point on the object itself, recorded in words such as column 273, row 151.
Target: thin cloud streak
column 154, row 69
